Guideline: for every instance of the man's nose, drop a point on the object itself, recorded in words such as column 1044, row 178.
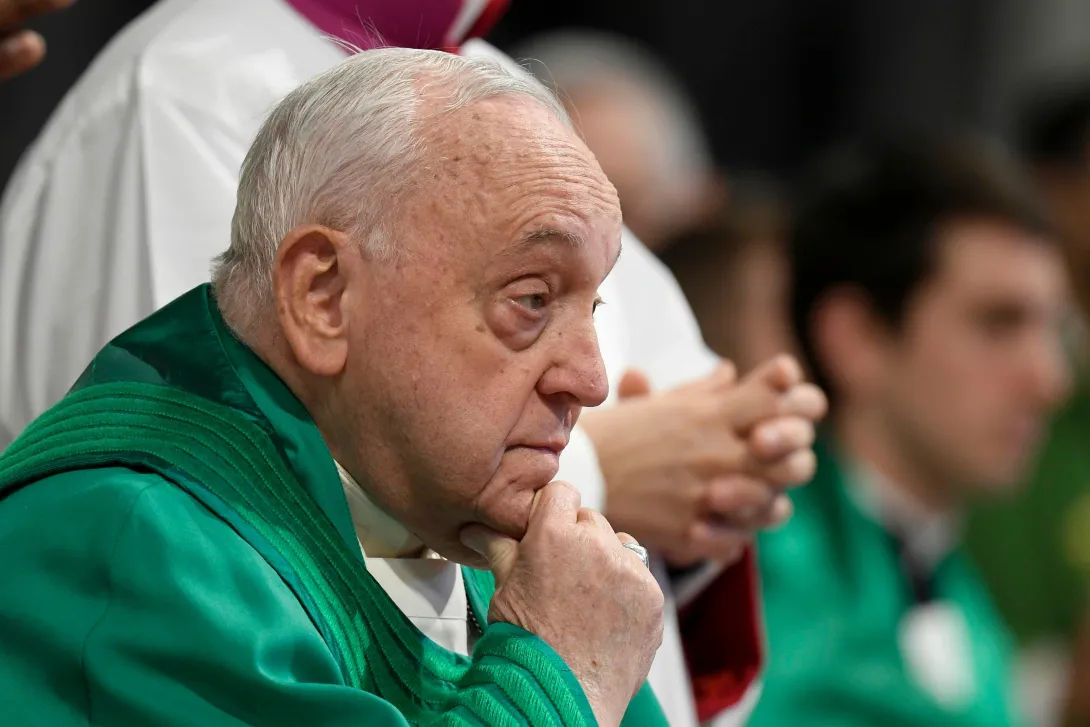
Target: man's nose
column 579, row 370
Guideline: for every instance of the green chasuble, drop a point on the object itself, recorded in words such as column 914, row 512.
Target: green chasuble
column 836, row 599
column 176, row 549
column 1034, row 548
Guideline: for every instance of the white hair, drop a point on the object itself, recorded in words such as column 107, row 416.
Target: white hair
column 339, row 151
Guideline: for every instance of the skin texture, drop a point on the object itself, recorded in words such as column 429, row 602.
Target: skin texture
column 21, row 50
column 953, row 403
column 447, row 378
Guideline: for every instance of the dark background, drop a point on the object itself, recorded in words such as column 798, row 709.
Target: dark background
column 774, row 80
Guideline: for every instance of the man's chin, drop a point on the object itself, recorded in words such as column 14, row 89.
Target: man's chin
column 1006, row 482
column 530, row 467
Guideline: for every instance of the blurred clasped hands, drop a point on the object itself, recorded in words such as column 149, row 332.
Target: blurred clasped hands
column 21, row 50
column 694, row 472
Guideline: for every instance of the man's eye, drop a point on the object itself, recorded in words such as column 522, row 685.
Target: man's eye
column 598, row 302
column 533, row 302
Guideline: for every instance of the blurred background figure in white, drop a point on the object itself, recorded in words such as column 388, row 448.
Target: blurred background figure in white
column 639, row 122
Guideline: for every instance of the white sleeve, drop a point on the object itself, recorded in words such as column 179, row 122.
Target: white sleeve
column 662, row 336
column 116, row 210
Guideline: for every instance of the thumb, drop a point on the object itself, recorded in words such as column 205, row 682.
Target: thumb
column 634, row 383
column 500, row 550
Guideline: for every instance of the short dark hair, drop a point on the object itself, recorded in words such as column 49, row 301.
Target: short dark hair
column 1053, row 125
column 866, row 218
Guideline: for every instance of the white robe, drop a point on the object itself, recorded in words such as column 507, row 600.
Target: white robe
column 128, row 193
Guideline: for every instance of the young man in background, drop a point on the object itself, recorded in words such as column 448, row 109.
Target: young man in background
column 927, row 296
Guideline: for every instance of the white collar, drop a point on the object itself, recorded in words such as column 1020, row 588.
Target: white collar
column 423, row 585
column 379, row 534
column 929, row 536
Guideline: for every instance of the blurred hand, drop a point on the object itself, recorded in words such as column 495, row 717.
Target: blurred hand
column 695, row 471
column 21, row 50
column 571, row 583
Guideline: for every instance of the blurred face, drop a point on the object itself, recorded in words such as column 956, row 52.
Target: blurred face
column 625, row 128
column 972, row 375
column 478, row 348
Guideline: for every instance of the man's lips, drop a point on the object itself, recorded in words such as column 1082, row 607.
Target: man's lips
column 550, row 446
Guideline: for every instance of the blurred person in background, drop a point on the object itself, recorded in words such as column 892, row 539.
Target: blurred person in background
column 734, row 274
column 927, row 294
column 21, row 50
column 1034, row 550
column 639, row 123
column 128, row 193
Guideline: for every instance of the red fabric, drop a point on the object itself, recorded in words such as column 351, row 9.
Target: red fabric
column 721, row 634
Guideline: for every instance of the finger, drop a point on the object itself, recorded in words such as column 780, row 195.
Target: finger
column 722, row 544
column 19, row 53
column 555, row 500
column 746, row 505
column 777, row 438
column 16, row 12
column 499, row 550
column 625, row 538
column 739, row 499
column 804, row 400
column 795, row 469
column 725, row 375
column 594, row 519
column 634, row 383
column 782, row 511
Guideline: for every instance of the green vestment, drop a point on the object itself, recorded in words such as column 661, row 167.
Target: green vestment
column 1033, row 549
column 176, row 549
column 836, row 596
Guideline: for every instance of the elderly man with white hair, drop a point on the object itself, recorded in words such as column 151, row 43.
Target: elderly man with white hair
column 129, row 191
column 251, row 508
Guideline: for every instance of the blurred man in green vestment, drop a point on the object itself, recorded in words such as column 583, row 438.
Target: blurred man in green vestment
column 1034, row 550
column 927, row 295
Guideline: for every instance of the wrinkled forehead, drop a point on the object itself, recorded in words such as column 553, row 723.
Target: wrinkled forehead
column 505, row 159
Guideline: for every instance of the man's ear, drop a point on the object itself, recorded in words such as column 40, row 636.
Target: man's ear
column 850, row 342
column 310, row 277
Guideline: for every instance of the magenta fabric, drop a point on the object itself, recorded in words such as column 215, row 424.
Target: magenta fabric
column 374, row 23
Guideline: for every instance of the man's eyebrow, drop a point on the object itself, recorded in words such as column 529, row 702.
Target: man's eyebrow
column 541, row 235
